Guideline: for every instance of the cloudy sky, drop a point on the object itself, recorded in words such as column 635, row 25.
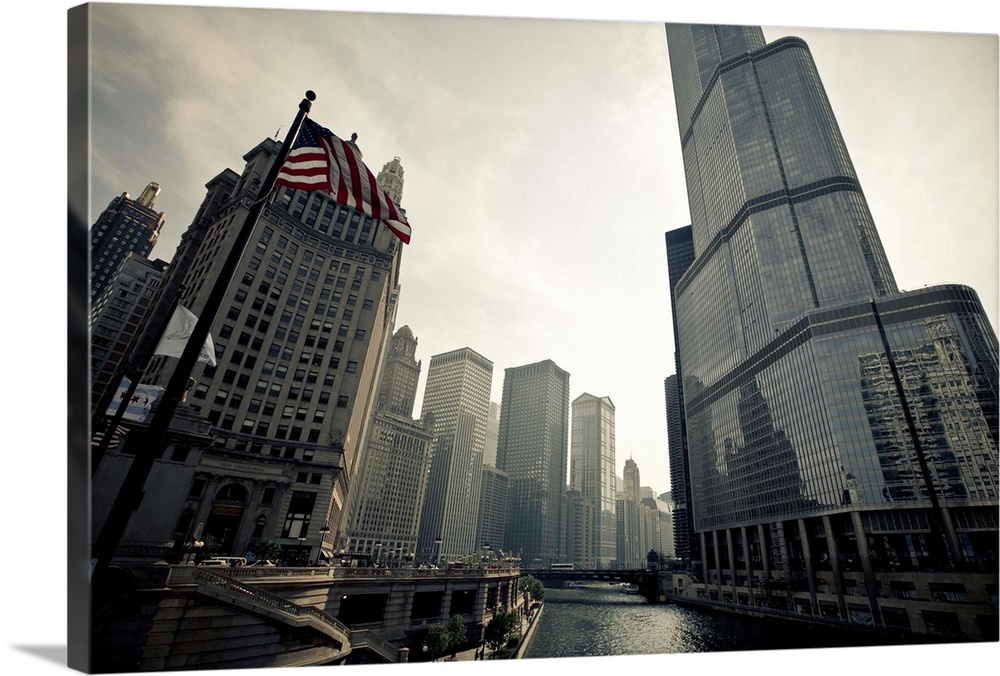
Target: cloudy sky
column 542, row 163
column 563, row 131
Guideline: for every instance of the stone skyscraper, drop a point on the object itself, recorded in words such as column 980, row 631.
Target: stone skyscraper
column 126, row 226
column 457, row 394
column 592, row 472
column 532, row 449
column 387, row 497
column 300, row 340
column 826, row 454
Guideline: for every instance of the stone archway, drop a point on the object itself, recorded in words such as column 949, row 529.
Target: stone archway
column 224, row 518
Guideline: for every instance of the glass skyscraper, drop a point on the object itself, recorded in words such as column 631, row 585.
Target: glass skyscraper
column 592, row 473
column 839, row 433
column 532, row 448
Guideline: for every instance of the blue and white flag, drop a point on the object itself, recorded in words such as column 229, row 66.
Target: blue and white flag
column 176, row 335
column 138, row 404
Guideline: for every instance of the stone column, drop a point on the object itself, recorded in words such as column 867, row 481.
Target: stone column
column 747, row 565
column 718, row 563
column 838, row 576
column 810, row 571
column 704, row 560
column 765, row 561
column 732, row 564
column 866, row 564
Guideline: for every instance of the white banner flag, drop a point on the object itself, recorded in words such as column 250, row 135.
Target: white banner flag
column 176, row 337
column 138, row 404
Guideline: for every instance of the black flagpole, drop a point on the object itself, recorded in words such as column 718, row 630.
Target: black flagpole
column 131, row 491
column 133, row 370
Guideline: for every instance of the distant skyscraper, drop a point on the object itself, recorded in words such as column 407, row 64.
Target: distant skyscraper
column 116, row 316
column 592, row 471
column 457, row 393
column 819, row 401
column 532, row 449
column 492, row 430
column 494, row 509
column 680, row 255
column 391, row 180
column 125, row 226
column 387, row 497
column 398, row 389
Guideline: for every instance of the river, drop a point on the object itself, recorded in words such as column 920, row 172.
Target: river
column 599, row 619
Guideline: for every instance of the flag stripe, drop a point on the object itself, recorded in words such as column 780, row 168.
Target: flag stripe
column 319, row 160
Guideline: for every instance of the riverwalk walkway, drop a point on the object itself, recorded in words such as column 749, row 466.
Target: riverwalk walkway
column 527, row 629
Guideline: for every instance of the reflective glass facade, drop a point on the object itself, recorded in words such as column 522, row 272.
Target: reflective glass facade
column 838, row 431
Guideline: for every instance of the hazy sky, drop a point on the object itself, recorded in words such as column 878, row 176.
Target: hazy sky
column 542, row 164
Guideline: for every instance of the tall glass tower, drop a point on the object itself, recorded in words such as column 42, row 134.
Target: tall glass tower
column 457, row 394
column 825, row 446
column 532, row 448
column 592, row 472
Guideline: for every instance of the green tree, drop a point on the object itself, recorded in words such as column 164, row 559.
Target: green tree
column 458, row 633
column 266, row 549
column 438, row 640
column 533, row 586
column 500, row 628
column 209, row 548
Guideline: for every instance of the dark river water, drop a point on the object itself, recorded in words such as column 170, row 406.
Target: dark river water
column 599, row 619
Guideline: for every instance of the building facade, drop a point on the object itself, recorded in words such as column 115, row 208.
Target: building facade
column 116, row 317
column 680, row 255
column 532, row 448
column 125, row 227
column 592, row 471
column 494, row 509
column 457, row 394
column 299, row 341
column 384, row 504
column 841, row 435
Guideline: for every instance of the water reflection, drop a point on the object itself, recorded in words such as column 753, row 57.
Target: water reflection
column 599, row 619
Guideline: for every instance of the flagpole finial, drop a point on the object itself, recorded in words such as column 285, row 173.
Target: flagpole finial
column 306, row 104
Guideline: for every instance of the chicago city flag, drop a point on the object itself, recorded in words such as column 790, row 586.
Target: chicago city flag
column 138, row 404
column 319, row 160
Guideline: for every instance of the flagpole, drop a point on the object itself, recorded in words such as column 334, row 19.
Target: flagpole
column 133, row 373
column 130, row 494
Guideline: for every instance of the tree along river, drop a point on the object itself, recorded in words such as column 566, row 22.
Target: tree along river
column 600, row 619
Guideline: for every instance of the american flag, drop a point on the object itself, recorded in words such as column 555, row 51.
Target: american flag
column 116, row 437
column 319, row 160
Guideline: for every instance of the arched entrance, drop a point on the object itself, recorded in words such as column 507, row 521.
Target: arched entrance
column 227, row 512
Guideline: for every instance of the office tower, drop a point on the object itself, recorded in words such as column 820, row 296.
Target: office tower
column 457, row 393
column 385, row 501
column 630, row 540
column 398, row 389
column 592, row 469
column 494, row 508
column 492, row 429
column 680, row 255
column 299, row 340
column 821, row 404
column 125, row 226
column 578, row 531
column 532, row 448
column 116, row 316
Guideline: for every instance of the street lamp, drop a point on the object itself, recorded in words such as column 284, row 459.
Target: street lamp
column 378, row 552
column 302, row 545
column 437, row 551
